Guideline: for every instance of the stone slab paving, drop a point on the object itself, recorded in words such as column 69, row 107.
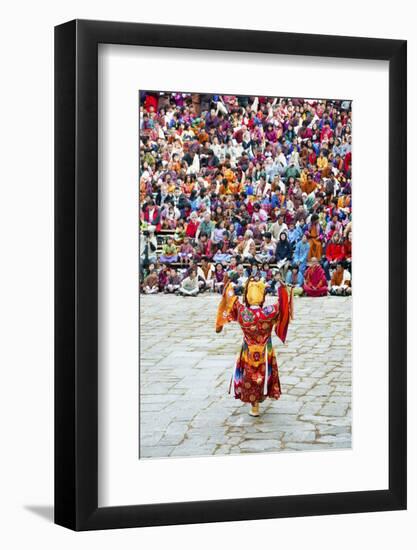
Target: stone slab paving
column 185, row 408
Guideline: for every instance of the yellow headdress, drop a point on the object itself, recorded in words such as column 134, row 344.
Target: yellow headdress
column 254, row 292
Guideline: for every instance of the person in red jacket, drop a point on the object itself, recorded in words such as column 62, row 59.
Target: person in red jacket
column 152, row 215
column 192, row 226
column 204, row 248
column 347, row 163
column 312, row 157
column 335, row 252
column 326, row 132
column 151, row 102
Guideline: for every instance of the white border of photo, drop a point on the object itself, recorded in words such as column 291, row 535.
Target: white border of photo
column 123, row 478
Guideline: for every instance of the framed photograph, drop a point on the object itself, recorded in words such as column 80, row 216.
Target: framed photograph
column 230, row 284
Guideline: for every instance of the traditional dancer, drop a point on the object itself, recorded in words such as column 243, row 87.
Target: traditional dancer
column 255, row 374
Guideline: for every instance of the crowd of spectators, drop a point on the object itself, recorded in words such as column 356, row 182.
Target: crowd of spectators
column 245, row 186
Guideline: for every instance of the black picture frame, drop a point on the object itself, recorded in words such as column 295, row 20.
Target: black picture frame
column 76, row 272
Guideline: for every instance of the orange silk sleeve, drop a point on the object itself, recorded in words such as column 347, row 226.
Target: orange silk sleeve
column 285, row 312
column 226, row 311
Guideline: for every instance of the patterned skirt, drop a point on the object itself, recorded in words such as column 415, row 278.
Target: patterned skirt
column 249, row 374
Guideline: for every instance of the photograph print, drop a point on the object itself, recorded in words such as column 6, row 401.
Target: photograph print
column 245, row 274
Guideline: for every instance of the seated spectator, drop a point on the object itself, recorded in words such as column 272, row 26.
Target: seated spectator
column 152, row 214
column 334, row 226
column 335, row 252
column 245, row 245
column 204, row 248
column 206, row 227
column 278, row 227
column 315, row 237
column 274, row 283
column 322, row 163
column 173, row 282
column 163, row 277
column 169, row 252
column 283, row 254
column 257, row 232
column 224, row 250
column 347, row 247
column 189, row 286
column 232, row 265
column 192, row 226
column 218, row 232
column 253, row 270
column 340, row 283
column 295, row 279
column 241, row 280
column 302, row 225
column 186, row 252
column 259, row 214
column 232, row 234
column 238, row 250
column 301, row 252
column 308, row 186
column 267, row 249
column 266, row 273
column 251, row 252
column 179, row 233
column 147, row 247
column 315, row 283
column 169, row 216
column 219, row 274
column 183, row 204
column 150, row 284
column 294, row 234
column 206, row 274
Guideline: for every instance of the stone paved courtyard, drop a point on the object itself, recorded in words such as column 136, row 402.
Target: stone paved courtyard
column 185, row 408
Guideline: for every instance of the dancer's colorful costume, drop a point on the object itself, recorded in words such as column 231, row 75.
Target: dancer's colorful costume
column 257, row 355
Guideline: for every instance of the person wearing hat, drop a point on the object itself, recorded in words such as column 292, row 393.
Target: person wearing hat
column 255, row 374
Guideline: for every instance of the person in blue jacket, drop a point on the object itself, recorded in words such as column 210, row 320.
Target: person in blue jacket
column 301, row 251
column 295, row 280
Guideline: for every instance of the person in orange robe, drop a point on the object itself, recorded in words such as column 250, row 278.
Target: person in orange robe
column 235, row 187
column 309, row 185
column 314, row 238
column 255, row 374
column 315, row 283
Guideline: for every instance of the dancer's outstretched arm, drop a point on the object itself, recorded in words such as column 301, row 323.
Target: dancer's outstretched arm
column 227, row 310
column 285, row 301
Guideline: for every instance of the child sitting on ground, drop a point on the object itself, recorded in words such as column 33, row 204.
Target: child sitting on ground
column 218, row 278
column 173, row 282
column 150, row 283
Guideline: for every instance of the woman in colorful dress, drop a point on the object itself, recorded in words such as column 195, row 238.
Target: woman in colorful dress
column 255, row 375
